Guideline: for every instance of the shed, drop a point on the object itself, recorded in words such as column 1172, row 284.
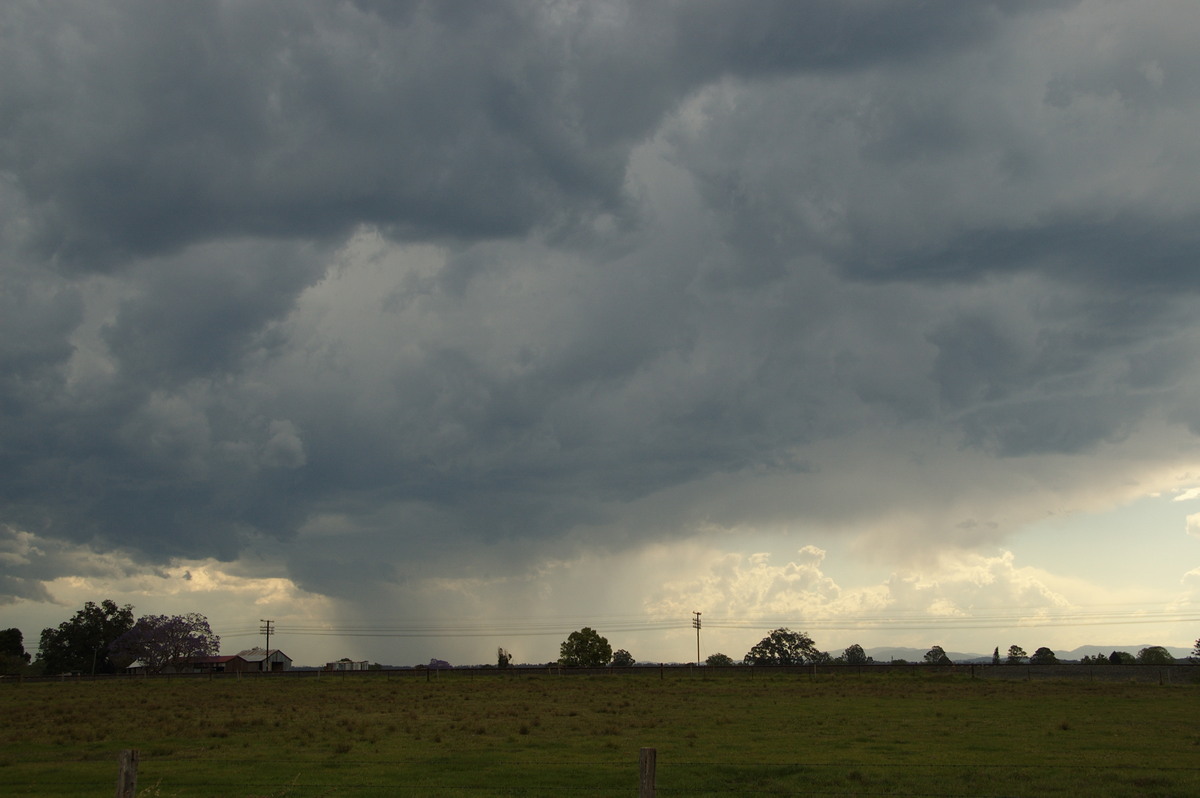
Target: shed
column 259, row 659
column 231, row 663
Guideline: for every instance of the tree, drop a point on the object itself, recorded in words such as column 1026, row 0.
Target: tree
column 937, row 656
column 1121, row 658
column 503, row 658
column 80, row 644
column 1043, row 656
column 161, row 641
column 996, row 655
column 784, row 647
column 1196, row 651
column 854, row 655
column 13, row 656
column 622, row 658
column 12, row 643
column 585, row 649
column 1016, row 655
column 1155, row 655
column 719, row 660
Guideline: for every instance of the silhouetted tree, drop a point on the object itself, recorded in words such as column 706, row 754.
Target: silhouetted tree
column 622, row 658
column 1016, row 655
column 854, row 655
column 80, row 644
column 719, row 660
column 1121, row 658
column 937, row 656
column 996, row 656
column 785, row 647
column 1043, row 656
column 1155, row 655
column 503, row 658
column 13, row 656
column 585, row 649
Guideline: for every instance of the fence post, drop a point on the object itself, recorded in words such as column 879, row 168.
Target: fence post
column 646, row 762
column 127, row 776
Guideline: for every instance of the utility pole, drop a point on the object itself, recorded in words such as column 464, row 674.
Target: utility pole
column 696, row 626
column 266, row 629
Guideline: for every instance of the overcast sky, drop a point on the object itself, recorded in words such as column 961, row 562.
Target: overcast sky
column 490, row 321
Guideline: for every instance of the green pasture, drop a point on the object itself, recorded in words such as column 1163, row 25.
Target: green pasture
column 490, row 733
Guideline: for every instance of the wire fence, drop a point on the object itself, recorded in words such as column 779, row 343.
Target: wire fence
column 178, row 774
column 311, row 778
column 1180, row 673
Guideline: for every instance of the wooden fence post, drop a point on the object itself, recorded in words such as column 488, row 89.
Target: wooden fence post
column 646, row 762
column 127, row 777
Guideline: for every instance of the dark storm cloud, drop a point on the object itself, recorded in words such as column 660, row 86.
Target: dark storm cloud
column 135, row 127
column 666, row 243
column 1121, row 249
column 37, row 317
column 783, row 36
column 199, row 312
column 138, row 127
column 1059, row 425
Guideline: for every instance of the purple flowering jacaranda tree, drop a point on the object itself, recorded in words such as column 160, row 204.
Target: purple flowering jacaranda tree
column 160, row 641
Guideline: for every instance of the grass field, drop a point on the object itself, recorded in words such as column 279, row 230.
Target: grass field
column 486, row 734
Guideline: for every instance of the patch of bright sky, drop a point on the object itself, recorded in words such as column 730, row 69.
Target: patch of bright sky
column 1141, row 544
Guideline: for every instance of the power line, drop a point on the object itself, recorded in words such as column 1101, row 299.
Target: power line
column 266, row 629
column 880, row 620
column 901, row 622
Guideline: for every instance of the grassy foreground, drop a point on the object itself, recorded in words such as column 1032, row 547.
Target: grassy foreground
column 492, row 734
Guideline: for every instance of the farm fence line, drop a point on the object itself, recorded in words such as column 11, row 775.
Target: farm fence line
column 1181, row 673
column 826, row 779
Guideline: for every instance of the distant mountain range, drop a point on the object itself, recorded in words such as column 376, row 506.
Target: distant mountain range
column 885, row 654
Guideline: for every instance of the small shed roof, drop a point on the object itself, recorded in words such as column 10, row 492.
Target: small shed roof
column 258, row 654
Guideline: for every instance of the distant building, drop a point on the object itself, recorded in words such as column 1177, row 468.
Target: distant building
column 347, row 664
column 438, row 664
column 231, row 663
column 260, row 659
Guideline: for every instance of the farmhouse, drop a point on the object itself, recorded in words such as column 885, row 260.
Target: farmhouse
column 260, row 659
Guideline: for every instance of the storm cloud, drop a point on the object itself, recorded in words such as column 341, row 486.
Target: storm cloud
column 375, row 291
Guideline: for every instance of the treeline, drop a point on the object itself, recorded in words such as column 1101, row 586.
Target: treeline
column 105, row 638
column 1151, row 655
column 587, row 648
